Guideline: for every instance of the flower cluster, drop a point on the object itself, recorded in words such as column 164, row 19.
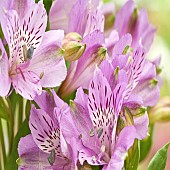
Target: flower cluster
column 113, row 80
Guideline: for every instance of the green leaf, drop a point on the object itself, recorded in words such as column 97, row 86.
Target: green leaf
column 145, row 144
column 23, row 131
column 158, row 162
column 132, row 161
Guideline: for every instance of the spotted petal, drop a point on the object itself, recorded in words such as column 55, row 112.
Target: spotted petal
column 124, row 142
column 30, row 156
column 27, row 84
column 45, row 131
column 101, row 108
column 27, row 31
column 135, row 69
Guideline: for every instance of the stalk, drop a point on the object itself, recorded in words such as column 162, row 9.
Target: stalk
column 4, row 156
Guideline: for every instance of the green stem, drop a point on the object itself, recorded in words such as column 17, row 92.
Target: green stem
column 4, row 111
column 20, row 112
column 10, row 127
column 2, row 144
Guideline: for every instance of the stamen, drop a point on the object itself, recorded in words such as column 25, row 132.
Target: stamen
column 27, row 53
column 99, row 132
column 51, row 158
column 91, row 132
column 30, row 52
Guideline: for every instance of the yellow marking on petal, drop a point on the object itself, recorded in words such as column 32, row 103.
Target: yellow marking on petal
column 103, row 148
column 129, row 59
column 24, row 47
column 4, row 10
column 41, row 75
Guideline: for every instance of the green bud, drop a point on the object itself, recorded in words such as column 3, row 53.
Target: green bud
column 73, row 50
column 72, row 36
column 72, row 46
column 161, row 111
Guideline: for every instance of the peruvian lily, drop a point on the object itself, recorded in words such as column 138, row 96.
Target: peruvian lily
column 79, row 73
column 35, row 60
column 93, row 122
column 143, row 86
column 130, row 20
column 81, row 16
column 47, row 147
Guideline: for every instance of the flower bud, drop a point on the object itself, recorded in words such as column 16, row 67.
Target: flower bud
column 161, row 111
column 72, row 36
column 72, row 46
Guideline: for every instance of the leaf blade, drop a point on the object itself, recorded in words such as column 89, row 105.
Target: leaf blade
column 158, row 162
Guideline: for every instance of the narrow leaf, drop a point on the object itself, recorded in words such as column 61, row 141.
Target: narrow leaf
column 158, row 162
column 23, row 131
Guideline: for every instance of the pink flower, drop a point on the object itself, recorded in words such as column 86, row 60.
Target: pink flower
column 34, row 60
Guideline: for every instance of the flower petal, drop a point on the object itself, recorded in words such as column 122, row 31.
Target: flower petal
column 45, row 131
column 119, row 47
column 47, row 62
column 141, row 125
column 143, row 31
column 21, row 6
column 5, row 81
column 27, row 84
column 135, row 69
column 79, row 73
column 123, row 17
column 30, row 156
column 59, row 14
column 124, row 142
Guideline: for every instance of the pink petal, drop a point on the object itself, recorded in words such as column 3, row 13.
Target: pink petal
column 27, row 84
column 31, row 156
column 21, row 6
column 47, row 62
column 119, row 47
column 44, row 131
column 59, row 14
column 5, row 81
column 124, row 142
column 141, row 125
column 143, row 30
column 123, row 17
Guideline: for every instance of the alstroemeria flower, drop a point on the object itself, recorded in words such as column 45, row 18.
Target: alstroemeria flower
column 80, row 71
column 93, row 123
column 81, row 16
column 47, row 137
column 130, row 20
column 34, row 60
column 140, row 72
